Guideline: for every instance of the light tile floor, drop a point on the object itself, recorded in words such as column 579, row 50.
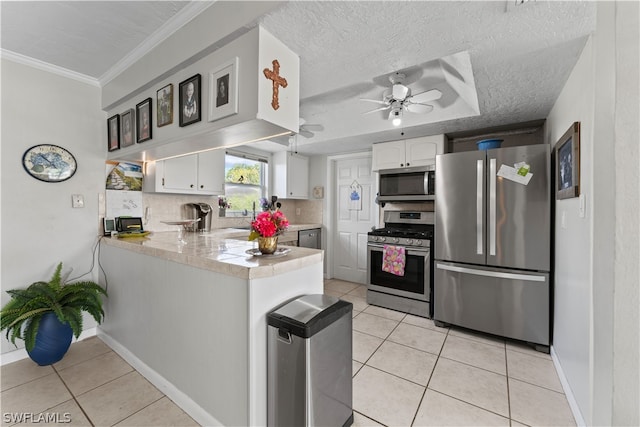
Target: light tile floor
column 406, row 371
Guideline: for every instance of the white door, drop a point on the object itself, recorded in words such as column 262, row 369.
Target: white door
column 352, row 226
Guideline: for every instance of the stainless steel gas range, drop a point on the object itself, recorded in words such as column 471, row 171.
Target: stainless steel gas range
column 410, row 292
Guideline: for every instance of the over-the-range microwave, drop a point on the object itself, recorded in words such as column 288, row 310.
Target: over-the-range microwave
column 407, row 184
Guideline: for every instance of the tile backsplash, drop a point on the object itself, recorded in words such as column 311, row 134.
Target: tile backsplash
column 168, row 207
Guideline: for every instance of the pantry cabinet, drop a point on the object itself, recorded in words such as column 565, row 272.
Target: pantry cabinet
column 407, row 153
column 290, row 175
column 201, row 173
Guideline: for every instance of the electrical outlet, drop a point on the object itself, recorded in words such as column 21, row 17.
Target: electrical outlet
column 77, row 201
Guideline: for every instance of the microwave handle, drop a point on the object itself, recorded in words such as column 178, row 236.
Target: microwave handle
column 426, row 183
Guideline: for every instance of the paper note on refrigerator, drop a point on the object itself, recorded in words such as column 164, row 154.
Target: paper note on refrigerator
column 507, row 172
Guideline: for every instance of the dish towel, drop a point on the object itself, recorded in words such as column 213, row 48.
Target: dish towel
column 393, row 259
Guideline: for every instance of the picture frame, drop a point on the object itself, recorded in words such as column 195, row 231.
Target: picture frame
column 164, row 107
column 189, row 105
column 127, row 125
column 144, row 123
column 113, row 132
column 223, row 90
column 567, row 154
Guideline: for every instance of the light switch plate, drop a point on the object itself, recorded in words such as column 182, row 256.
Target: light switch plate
column 77, row 201
column 583, row 205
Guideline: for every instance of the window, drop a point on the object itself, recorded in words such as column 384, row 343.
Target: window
column 245, row 181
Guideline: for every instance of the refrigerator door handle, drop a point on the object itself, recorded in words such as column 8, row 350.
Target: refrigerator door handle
column 479, row 178
column 497, row 274
column 492, row 207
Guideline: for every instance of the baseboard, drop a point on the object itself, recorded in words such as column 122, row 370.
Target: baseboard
column 194, row 410
column 573, row 404
column 21, row 353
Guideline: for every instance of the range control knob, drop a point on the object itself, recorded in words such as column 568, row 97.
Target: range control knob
column 409, row 241
column 382, row 239
column 396, row 240
column 419, row 243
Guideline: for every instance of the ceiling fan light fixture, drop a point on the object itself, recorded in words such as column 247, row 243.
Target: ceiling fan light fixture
column 396, row 116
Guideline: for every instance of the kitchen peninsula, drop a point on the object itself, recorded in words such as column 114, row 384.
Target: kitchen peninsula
column 192, row 317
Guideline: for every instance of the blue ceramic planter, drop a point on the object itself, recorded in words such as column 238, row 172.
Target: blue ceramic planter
column 488, row 144
column 52, row 340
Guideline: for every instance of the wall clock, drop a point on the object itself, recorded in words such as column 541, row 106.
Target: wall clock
column 49, row 163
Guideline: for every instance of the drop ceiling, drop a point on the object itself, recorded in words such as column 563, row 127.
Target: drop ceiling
column 519, row 54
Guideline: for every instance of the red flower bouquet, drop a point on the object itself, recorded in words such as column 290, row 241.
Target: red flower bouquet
column 268, row 224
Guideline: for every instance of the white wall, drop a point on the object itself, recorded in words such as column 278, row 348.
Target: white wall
column 571, row 334
column 39, row 226
column 596, row 329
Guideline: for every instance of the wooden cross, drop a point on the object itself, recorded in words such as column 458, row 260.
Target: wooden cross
column 278, row 81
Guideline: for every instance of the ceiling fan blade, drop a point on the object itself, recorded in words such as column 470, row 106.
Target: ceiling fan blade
column 306, row 133
column 377, row 109
column 429, row 95
column 377, row 101
column 419, row 108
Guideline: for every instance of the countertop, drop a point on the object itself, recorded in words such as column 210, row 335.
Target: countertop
column 221, row 250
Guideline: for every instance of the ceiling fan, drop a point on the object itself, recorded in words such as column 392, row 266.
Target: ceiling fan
column 305, row 129
column 398, row 99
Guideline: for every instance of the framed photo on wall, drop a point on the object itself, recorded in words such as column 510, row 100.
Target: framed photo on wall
column 190, row 101
column 164, row 106
column 126, row 128
column 113, row 132
column 143, row 120
column 567, row 153
column 223, row 90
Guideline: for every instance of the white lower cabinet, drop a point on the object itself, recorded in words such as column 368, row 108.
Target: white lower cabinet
column 201, row 173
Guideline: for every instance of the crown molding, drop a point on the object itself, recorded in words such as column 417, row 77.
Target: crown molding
column 44, row 66
column 179, row 20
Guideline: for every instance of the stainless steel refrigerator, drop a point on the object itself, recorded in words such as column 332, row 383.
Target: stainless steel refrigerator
column 492, row 242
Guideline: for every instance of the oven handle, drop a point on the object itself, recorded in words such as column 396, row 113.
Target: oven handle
column 412, row 251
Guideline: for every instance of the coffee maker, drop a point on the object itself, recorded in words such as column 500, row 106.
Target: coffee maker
column 200, row 211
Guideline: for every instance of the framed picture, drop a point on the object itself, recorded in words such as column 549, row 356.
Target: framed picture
column 165, row 105
column 223, row 90
column 568, row 163
column 113, row 133
column 190, row 101
column 126, row 128
column 143, row 120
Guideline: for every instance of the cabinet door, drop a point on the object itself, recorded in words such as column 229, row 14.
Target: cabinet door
column 297, row 177
column 211, row 172
column 422, row 151
column 388, row 155
column 180, row 173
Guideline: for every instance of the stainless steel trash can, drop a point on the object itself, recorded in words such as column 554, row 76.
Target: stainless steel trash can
column 309, row 360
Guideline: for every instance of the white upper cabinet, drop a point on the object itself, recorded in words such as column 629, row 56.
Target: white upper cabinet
column 290, row 175
column 201, row 173
column 407, row 153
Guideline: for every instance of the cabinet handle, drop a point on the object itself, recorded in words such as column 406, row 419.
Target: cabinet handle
column 191, row 186
column 401, row 164
column 407, row 164
column 202, row 186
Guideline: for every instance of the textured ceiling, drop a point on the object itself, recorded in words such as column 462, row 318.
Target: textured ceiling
column 520, row 55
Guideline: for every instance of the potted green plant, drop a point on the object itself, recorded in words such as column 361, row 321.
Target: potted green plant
column 46, row 315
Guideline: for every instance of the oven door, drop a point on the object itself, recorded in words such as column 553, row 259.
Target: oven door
column 415, row 282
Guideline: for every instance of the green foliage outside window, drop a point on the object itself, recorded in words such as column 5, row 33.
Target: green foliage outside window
column 243, row 183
